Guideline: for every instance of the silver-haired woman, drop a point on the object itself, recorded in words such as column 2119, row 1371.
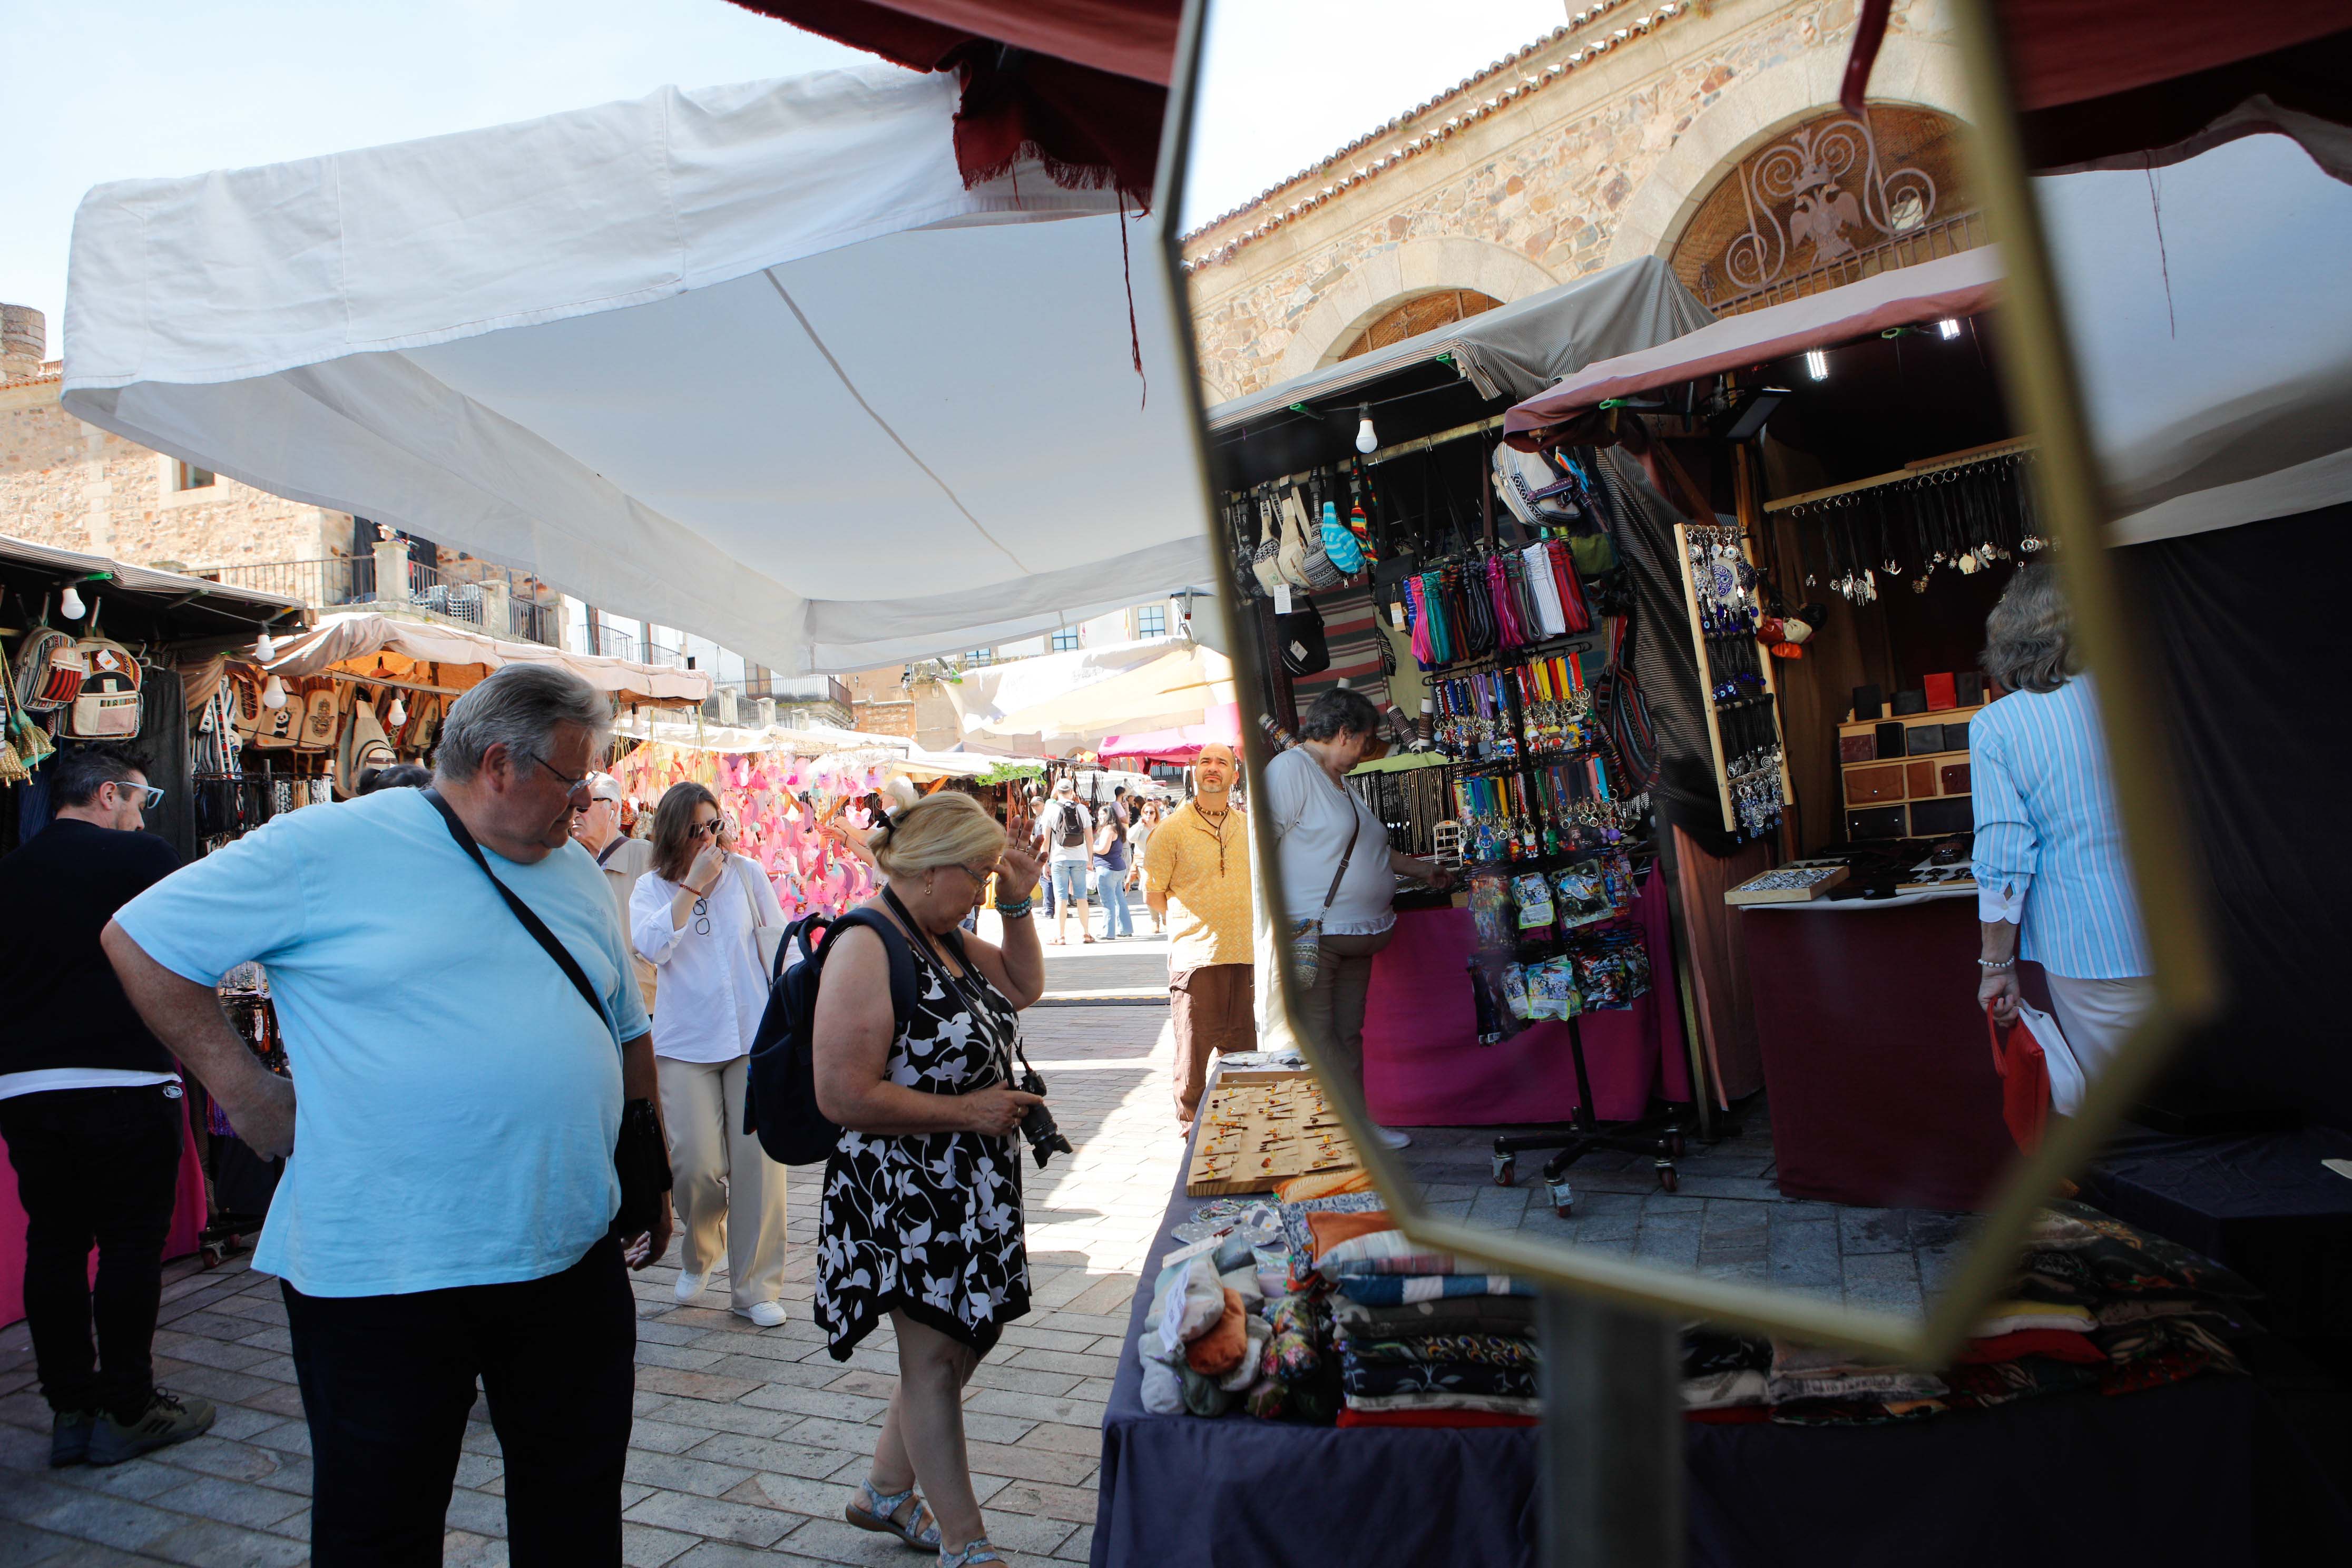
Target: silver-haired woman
column 2053, row 882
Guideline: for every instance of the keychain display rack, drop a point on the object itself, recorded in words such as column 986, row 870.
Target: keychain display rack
column 1743, row 706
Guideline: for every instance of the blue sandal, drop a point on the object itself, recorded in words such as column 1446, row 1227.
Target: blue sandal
column 975, row 1551
column 878, row 1512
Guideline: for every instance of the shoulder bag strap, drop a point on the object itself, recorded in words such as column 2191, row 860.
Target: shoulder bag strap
column 1347, row 855
column 522, row 911
column 735, row 863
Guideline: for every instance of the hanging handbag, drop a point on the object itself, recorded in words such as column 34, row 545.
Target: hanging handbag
column 48, row 670
column 1300, row 640
column 1306, row 936
column 1266, row 563
column 105, row 706
column 321, row 720
column 1338, row 544
column 640, row 1157
column 1290, row 559
column 768, row 939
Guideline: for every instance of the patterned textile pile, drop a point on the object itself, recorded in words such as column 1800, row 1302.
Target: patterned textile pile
column 2096, row 1304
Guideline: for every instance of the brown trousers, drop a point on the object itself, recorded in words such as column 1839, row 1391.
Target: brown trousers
column 1215, row 1009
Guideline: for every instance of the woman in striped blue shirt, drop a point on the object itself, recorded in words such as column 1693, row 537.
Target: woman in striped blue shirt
column 2048, row 860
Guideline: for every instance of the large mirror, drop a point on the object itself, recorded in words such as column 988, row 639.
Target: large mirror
column 1717, row 711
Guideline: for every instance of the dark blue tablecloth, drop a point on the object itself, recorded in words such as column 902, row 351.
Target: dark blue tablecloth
column 2200, row 1473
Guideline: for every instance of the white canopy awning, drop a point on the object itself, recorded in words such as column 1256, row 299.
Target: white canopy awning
column 1060, row 703
column 355, row 641
column 749, row 361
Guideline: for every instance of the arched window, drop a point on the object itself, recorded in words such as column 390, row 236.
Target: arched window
column 1422, row 313
column 1836, row 199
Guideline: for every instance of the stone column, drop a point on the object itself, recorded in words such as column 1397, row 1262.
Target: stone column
column 498, row 607
column 391, row 572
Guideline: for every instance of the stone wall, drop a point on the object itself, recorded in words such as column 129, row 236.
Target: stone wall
column 71, row 485
column 1543, row 176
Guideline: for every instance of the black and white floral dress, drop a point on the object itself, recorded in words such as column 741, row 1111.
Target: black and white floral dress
column 930, row 1225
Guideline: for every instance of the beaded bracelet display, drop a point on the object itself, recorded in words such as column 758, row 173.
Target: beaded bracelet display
column 1015, row 912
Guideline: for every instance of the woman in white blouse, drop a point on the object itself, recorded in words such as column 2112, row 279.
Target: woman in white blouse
column 1321, row 825
column 694, row 916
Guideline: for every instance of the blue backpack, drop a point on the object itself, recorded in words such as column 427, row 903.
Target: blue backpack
column 780, row 1090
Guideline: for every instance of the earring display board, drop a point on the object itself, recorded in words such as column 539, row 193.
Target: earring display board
column 1268, row 1129
column 1743, row 707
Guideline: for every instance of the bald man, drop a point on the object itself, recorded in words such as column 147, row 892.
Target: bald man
column 1196, row 877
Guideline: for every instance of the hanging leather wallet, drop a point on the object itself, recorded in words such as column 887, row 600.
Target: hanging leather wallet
column 1941, row 692
column 1926, row 738
column 1910, row 702
column 1890, row 741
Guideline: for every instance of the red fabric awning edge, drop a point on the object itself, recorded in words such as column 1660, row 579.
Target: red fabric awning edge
column 1949, row 286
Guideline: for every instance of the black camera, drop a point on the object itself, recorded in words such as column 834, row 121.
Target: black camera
column 1045, row 1139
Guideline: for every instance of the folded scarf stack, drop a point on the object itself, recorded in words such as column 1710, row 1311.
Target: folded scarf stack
column 2096, row 1304
column 1424, row 1339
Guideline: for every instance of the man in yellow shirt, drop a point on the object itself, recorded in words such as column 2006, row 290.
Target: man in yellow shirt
column 1196, row 875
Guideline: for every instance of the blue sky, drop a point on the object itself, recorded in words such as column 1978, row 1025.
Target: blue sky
column 140, row 88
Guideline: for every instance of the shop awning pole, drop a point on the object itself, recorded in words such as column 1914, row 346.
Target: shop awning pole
column 1610, row 1472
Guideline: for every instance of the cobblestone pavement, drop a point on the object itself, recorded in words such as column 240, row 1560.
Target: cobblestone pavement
column 747, row 1442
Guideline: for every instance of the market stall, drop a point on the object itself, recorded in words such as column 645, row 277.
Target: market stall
column 96, row 650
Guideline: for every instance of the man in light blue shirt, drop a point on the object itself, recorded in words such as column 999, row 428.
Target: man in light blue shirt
column 2053, row 884
column 451, row 1121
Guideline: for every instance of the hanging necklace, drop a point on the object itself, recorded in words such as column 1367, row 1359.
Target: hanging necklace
column 1215, row 830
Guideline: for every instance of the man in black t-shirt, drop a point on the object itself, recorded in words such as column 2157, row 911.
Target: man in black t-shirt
column 91, row 1106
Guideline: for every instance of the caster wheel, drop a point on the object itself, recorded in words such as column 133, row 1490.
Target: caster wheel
column 1565, row 1211
column 1667, row 1178
column 1675, row 1143
column 1507, row 1170
column 1563, row 1200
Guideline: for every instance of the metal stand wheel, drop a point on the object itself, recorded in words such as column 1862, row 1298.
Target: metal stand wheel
column 1507, row 1170
column 1667, row 1178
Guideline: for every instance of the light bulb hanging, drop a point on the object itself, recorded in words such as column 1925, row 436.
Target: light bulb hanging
column 398, row 713
column 1948, row 328
column 273, row 695
column 1366, row 442
column 70, row 603
column 265, row 649
column 1817, row 364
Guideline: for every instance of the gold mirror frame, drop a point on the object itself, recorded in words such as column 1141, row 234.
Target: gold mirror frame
column 2040, row 383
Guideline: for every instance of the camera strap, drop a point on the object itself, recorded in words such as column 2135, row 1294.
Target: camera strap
column 985, row 1017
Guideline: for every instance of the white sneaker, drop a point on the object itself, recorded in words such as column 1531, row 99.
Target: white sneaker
column 690, row 1286
column 766, row 1314
column 1391, row 1138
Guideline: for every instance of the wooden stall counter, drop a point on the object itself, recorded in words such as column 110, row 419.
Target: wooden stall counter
column 1877, row 1068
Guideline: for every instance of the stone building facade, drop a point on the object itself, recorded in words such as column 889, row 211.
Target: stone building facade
column 74, row 485
column 1596, row 145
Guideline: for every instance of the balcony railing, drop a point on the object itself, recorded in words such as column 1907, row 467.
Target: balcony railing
column 465, row 597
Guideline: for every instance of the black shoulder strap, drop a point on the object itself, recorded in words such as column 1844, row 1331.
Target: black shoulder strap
column 522, row 911
column 895, row 945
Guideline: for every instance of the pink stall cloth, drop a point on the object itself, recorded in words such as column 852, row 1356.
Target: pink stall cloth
column 186, row 1234
column 1423, row 1066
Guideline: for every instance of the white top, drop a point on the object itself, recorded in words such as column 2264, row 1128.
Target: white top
column 1050, row 819
column 713, row 985
column 1311, row 816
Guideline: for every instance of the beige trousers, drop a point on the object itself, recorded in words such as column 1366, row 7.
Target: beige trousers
column 713, row 1163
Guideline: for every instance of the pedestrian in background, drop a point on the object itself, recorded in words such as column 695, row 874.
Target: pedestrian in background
column 90, row 1104
column 1198, row 879
column 695, row 915
column 1138, row 845
column 622, row 860
column 1110, row 874
column 445, row 1218
column 1069, row 828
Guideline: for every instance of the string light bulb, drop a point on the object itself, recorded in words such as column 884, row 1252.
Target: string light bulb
column 265, row 647
column 1366, row 442
column 398, row 713
column 1947, row 329
column 273, row 695
column 1817, row 364
column 70, row 603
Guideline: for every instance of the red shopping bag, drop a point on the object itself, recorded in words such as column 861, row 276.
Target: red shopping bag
column 2024, row 1072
